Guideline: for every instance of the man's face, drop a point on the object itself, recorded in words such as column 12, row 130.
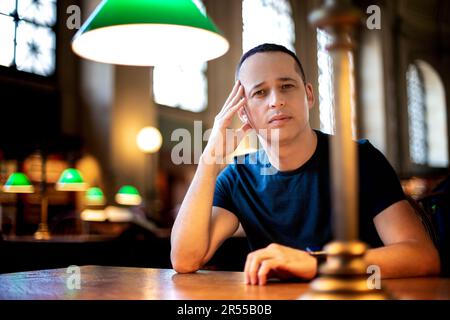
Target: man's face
column 276, row 96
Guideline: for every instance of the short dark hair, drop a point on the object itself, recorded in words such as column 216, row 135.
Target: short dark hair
column 271, row 47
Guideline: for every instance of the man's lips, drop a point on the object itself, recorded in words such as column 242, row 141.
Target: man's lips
column 279, row 118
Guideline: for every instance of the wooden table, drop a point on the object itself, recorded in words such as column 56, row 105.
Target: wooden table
column 80, row 238
column 110, row 283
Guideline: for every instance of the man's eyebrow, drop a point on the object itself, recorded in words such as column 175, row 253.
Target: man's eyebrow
column 257, row 85
column 282, row 79
column 286, row 79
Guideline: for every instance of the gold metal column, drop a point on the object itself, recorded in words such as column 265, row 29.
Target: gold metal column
column 344, row 274
column 43, row 232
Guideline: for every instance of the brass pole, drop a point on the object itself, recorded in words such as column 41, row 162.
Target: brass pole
column 43, row 232
column 343, row 276
column 344, row 179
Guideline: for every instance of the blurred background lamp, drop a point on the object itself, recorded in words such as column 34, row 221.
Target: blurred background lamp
column 71, row 180
column 148, row 32
column 129, row 196
column 18, row 182
column 149, row 140
column 93, row 215
column 117, row 214
column 94, row 197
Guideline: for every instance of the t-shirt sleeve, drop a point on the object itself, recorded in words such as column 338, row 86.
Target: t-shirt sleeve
column 224, row 189
column 379, row 183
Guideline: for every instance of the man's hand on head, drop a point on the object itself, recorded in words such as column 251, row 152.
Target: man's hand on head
column 218, row 147
column 277, row 261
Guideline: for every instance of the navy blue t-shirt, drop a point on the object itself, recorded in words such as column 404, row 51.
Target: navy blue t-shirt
column 292, row 208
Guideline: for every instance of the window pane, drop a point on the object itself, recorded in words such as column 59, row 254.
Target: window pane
column 436, row 115
column 326, row 90
column 7, row 6
column 42, row 12
column 35, row 51
column 7, row 27
column 182, row 86
column 416, row 115
column 324, row 62
column 256, row 15
column 372, row 90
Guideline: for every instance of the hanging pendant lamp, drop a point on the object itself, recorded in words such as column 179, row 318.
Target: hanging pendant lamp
column 148, row 33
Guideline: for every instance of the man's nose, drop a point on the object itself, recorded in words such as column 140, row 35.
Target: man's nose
column 277, row 100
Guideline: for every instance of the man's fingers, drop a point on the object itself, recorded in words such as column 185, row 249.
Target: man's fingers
column 229, row 113
column 246, row 278
column 279, row 261
column 233, row 92
column 239, row 95
column 253, row 270
column 226, row 118
column 252, row 265
column 247, row 267
column 264, row 270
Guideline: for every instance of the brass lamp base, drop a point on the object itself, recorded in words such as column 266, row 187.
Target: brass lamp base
column 42, row 233
column 344, row 275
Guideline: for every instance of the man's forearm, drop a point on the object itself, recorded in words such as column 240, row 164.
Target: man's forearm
column 191, row 230
column 405, row 259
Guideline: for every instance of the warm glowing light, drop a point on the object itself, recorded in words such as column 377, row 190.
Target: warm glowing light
column 93, row 215
column 117, row 214
column 117, row 45
column 149, row 140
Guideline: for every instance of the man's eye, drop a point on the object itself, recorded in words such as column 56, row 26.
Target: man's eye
column 259, row 93
column 287, row 86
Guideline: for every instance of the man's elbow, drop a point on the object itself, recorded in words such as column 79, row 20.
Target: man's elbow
column 430, row 263
column 184, row 265
column 434, row 265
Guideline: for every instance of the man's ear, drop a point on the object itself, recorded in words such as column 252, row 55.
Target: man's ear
column 310, row 95
column 242, row 115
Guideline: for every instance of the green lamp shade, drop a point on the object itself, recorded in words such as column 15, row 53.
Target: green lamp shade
column 148, row 33
column 18, row 183
column 94, row 197
column 128, row 195
column 71, row 180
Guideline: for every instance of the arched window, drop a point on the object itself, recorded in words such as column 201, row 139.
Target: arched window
column 182, row 86
column 427, row 116
column 27, row 40
column 267, row 21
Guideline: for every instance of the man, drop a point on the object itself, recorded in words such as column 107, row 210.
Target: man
column 284, row 213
